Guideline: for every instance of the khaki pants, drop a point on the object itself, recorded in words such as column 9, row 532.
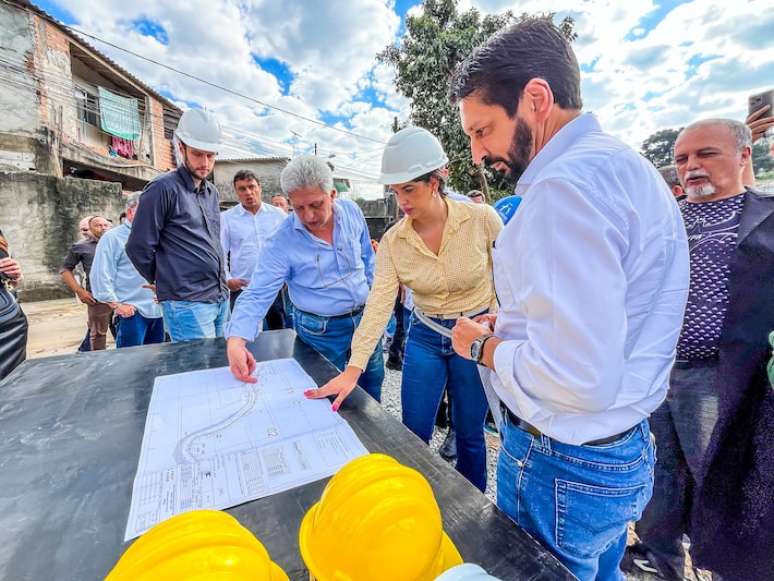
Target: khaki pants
column 99, row 318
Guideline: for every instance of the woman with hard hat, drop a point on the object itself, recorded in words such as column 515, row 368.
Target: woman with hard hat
column 441, row 250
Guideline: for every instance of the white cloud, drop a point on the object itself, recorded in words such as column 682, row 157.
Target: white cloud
column 702, row 58
column 647, row 77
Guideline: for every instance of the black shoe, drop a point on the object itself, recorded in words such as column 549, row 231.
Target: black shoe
column 448, row 449
column 394, row 363
column 638, row 560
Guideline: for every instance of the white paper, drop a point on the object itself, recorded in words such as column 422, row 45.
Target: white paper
column 212, row 441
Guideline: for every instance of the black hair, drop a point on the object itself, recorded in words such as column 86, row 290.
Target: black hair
column 501, row 68
column 245, row 174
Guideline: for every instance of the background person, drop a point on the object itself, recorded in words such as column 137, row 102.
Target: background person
column 116, row 282
column 82, row 253
column 281, row 202
column 244, row 230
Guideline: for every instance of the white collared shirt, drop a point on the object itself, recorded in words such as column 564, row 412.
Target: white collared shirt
column 244, row 234
column 592, row 277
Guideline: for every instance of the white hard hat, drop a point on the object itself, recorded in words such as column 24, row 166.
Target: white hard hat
column 410, row 153
column 466, row 572
column 200, row 130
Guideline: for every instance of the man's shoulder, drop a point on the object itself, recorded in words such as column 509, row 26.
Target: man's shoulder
column 163, row 180
column 84, row 247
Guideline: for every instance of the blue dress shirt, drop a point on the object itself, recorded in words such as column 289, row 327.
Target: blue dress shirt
column 114, row 279
column 323, row 279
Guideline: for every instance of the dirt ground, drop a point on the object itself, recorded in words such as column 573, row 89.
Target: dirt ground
column 56, row 327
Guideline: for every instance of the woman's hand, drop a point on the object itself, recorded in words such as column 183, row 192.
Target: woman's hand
column 340, row 386
column 240, row 361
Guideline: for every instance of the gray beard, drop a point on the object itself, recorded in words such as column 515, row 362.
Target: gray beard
column 702, row 191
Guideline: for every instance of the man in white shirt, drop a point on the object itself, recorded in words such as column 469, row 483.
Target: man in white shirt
column 592, row 279
column 243, row 233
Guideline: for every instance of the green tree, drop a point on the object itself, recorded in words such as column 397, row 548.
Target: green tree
column 659, row 147
column 435, row 42
column 762, row 161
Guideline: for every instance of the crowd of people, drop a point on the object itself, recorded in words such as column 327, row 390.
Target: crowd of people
column 602, row 312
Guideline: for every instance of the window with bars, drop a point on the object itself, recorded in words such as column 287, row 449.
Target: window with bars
column 87, row 106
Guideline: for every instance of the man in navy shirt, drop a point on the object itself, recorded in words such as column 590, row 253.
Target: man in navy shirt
column 175, row 238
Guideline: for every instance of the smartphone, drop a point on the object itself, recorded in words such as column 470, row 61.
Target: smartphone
column 755, row 102
column 3, row 254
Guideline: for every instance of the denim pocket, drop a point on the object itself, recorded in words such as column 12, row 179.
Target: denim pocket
column 310, row 324
column 590, row 518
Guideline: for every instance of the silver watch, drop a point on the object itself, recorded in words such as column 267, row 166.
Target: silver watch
column 477, row 347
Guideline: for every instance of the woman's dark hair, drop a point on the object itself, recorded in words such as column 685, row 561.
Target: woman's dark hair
column 436, row 173
column 501, row 68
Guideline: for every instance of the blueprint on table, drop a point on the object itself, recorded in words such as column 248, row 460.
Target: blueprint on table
column 212, row 441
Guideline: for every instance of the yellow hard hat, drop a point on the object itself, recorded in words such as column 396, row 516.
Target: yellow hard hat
column 198, row 545
column 376, row 520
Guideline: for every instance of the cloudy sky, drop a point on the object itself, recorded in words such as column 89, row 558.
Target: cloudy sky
column 646, row 65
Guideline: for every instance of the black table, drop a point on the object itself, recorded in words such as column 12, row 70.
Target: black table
column 71, row 428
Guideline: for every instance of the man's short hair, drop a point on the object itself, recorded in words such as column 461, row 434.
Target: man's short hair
column 245, row 174
column 306, row 171
column 669, row 173
column 278, row 195
column 742, row 134
column 91, row 220
column 132, row 200
column 500, row 69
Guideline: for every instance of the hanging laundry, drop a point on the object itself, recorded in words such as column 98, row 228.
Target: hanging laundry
column 119, row 116
column 123, row 147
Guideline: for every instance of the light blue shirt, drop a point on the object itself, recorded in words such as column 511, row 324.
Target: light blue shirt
column 324, row 279
column 114, row 279
column 592, row 277
column 243, row 235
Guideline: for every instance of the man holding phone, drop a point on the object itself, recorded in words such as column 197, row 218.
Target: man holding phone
column 760, row 120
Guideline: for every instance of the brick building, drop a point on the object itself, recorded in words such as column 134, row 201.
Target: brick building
column 68, row 110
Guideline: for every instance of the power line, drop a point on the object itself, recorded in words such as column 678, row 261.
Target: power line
column 222, row 88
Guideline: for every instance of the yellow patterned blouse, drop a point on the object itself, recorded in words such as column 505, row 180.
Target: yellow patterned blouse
column 457, row 280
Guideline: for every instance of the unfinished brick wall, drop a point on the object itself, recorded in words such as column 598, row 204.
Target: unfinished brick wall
column 163, row 157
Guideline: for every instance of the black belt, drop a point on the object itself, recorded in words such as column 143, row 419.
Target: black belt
column 354, row 313
column 530, row 429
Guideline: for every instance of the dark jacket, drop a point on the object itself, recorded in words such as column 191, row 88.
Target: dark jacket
column 733, row 529
column 175, row 239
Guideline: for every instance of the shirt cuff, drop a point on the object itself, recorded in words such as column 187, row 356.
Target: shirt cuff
column 246, row 330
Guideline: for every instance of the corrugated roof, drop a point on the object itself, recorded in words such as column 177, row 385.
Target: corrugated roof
column 27, row 5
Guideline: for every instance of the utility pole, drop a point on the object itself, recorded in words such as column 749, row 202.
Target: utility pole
column 315, row 148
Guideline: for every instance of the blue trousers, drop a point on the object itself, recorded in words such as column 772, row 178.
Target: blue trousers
column 189, row 320
column 576, row 500
column 139, row 330
column 430, row 365
column 332, row 338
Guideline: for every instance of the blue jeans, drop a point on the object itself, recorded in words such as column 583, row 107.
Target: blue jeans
column 576, row 500
column 430, row 365
column 332, row 338
column 139, row 330
column 189, row 320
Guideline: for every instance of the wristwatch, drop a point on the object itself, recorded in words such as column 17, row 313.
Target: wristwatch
column 477, row 347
